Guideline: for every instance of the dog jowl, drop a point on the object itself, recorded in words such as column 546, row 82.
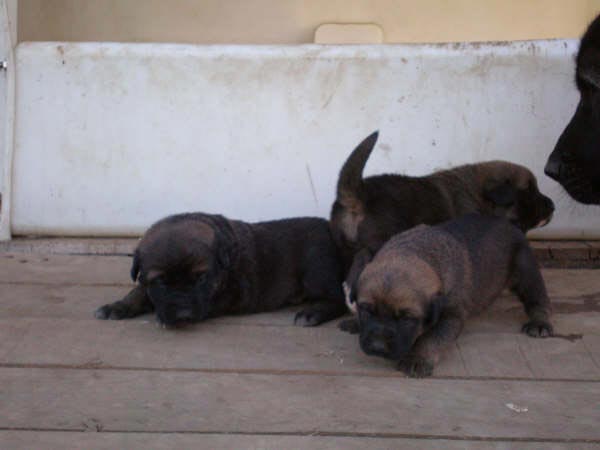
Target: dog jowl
column 191, row 267
column 575, row 161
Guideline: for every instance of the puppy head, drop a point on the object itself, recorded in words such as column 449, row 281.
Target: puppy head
column 575, row 161
column 181, row 263
column 396, row 306
column 511, row 191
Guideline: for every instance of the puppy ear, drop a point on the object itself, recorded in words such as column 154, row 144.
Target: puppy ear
column 434, row 310
column 223, row 258
column 503, row 194
column 135, row 266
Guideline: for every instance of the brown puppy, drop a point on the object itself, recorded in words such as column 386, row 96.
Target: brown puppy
column 190, row 267
column 367, row 212
column 413, row 298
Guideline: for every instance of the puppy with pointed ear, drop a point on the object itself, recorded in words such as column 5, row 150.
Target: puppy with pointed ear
column 413, row 298
column 191, row 267
column 368, row 211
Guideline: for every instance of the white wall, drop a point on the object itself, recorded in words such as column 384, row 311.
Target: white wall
column 110, row 137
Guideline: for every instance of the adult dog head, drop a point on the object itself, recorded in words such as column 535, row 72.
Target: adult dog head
column 575, row 161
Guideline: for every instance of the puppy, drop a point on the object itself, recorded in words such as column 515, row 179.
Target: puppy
column 413, row 299
column 190, row 267
column 367, row 212
column 575, row 161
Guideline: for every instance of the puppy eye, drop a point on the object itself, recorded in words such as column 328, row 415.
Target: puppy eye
column 200, row 276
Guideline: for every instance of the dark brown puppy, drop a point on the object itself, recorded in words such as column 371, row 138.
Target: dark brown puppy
column 367, row 212
column 190, row 267
column 413, row 298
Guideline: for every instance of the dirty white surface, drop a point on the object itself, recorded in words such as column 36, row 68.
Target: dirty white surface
column 111, row 137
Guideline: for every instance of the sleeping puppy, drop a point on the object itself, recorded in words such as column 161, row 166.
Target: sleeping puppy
column 190, row 267
column 413, row 299
column 367, row 212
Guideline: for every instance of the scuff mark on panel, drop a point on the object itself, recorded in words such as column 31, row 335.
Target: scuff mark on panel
column 312, row 185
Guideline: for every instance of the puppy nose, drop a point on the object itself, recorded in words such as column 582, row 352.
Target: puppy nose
column 183, row 314
column 379, row 346
column 550, row 204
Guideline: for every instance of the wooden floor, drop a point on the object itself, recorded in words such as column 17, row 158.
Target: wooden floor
column 70, row 381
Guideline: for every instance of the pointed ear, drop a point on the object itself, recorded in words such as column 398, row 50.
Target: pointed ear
column 135, row 266
column 503, row 194
column 434, row 310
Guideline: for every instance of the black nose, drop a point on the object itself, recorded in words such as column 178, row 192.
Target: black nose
column 552, row 168
column 378, row 346
column 183, row 314
column 549, row 204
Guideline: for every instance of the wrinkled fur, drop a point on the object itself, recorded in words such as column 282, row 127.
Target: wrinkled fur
column 190, row 267
column 413, row 298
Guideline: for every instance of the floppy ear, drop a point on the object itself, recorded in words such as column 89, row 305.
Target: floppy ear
column 503, row 194
column 223, row 256
column 434, row 310
column 135, row 266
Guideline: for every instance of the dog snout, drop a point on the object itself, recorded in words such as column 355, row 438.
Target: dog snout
column 548, row 204
column 553, row 167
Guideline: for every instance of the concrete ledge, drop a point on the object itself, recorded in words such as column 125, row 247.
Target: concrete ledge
column 552, row 254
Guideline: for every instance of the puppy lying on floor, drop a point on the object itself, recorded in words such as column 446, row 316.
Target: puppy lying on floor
column 190, row 267
column 367, row 212
column 413, row 299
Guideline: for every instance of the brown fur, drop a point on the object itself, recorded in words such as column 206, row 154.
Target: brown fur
column 190, row 267
column 367, row 212
column 415, row 295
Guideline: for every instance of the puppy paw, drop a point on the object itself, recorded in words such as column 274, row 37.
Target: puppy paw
column 349, row 326
column 308, row 318
column 416, row 367
column 538, row 328
column 111, row 311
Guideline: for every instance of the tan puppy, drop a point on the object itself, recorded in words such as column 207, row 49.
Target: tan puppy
column 414, row 297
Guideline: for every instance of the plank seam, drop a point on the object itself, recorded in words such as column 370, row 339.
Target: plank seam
column 319, row 433
column 275, row 372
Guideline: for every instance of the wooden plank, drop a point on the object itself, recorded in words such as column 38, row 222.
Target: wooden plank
column 64, row 269
column 573, row 315
column 59, row 440
column 86, row 269
column 192, row 402
column 238, row 347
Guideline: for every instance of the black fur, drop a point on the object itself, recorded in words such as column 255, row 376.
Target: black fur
column 575, row 161
column 194, row 266
column 368, row 211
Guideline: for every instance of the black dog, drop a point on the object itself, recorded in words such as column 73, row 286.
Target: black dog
column 367, row 212
column 190, row 267
column 413, row 298
column 575, row 161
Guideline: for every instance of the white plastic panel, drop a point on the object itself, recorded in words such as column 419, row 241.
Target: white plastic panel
column 111, row 137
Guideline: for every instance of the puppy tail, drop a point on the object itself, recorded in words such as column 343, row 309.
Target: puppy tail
column 349, row 188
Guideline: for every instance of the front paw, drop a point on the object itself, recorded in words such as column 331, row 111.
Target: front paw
column 416, row 366
column 538, row 328
column 308, row 318
column 112, row 311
